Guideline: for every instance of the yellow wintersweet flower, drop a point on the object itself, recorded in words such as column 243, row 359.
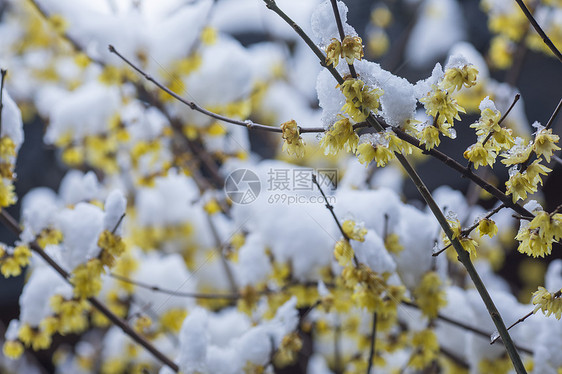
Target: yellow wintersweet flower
column 544, row 144
column 501, row 52
column 343, row 252
column 502, row 139
column 208, row 35
column 10, row 267
column 517, row 154
column 467, row 243
column 33, row 337
column 353, row 230
column 392, row 243
column 439, row 104
column 381, row 16
column 49, row 236
column 519, row 185
column 480, row 155
column 112, row 247
column 455, row 78
column 12, row 349
column 352, row 48
column 488, row 227
column 360, row 99
column 293, row 142
column 366, row 153
column 535, row 170
column 426, row 349
column 7, row 148
column 172, row 319
column 7, row 193
column 548, row 303
column 488, row 122
column 430, row 295
column 430, row 137
column 288, row 350
column 341, row 135
column 333, row 52
column 72, row 316
column 532, row 244
column 86, row 279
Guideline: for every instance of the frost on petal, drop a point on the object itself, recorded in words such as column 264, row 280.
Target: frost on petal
column 80, row 228
column 486, row 103
column 114, row 207
column 193, row 343
column 324, row 26
column 12, row 125
column 439, row 26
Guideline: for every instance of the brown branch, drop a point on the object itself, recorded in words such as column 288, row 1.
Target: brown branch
column 3, row 72
column 247, row 123
column 539, row 30
column 11, row 223
column 194, row 295
column 553, row 116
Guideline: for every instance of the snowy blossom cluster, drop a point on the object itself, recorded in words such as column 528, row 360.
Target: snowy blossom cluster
column 146, row 258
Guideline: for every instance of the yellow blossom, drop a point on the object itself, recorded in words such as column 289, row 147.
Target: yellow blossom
column 392, row 243
column 86, row 279
column 519, row 185
column 488, row 122
column 208, row 35
column 343, row 252
column 333, row 52
column 439, row 104
column 172, row 319
column 293, row 142
column 455, row 78
column 366, row 153
column 502, row 139
column 7, row 148
column 467, row 243
column 548, row 303
column 352, row 48
column 430, row 295
column 430, row 137
column 10, row 267
column 49, row 236
column 12, row 349
column 488, row 227
column 112, row 247
column 341, row 135
column 360, row 99
column 532, row 244
column 501, row 50
column 535, row 170
column 480, row 155
column 354, row 231
column 381, row 16
column 7, row 194
column 426, row 349
column 544, row 144
column 288, row 350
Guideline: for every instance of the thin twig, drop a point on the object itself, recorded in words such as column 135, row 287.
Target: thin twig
column 553, row 116
column 342, row 33
column 248, row 124
column 539, row 30
column 194, row 295
column 3, row 72
column 372, row 345
column 330, row 207
column 11, row 223
column 496, row 337
column 118, row 223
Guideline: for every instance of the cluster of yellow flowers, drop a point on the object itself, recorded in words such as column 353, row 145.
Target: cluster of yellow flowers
column 430, row 294
column 443, row 107
column 467, row 243
column 536, row 238
column 360, row 99
column 340, row 136
column 525, row 179
column 12, row 260
column 350, row 49
column 293, row 142
column 7, row 158
column 547, row 302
